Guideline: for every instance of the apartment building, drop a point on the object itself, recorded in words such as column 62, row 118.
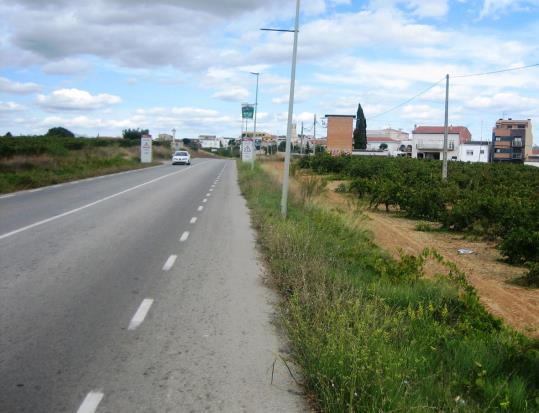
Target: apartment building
column 512, row 140
column 394, row 141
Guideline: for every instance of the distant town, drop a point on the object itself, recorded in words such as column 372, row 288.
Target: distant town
column 511, row 141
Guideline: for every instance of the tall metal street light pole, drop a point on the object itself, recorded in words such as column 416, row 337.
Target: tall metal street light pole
column 286, row 171
column 257, row 74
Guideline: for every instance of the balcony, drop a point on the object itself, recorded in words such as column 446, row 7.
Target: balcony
column 434, row 146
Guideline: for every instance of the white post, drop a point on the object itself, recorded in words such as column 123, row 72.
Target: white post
column 256, row 113
column 286, row 172
column 446, row 127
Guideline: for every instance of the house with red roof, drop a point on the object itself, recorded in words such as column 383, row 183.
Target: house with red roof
column 428, row 141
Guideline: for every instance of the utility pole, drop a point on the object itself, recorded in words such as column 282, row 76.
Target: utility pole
column 256, row 113
column 446, row 127
column 314, row 135
column 286, row 172
column 301, row 149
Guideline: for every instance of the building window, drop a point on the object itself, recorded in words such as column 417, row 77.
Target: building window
column 517, row 142
column 482, row 152
column 468, row 152
column 498, row 139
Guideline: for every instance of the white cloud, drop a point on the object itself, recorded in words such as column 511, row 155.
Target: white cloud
column 67, row 66
column 232, row 94
column 76, row 99
column 9, row 86
column 493, row 7
column 6, row 107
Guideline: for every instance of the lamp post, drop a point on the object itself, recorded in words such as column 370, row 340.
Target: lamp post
column 257, row 74
column 286, row 171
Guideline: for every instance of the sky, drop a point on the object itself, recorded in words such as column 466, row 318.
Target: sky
column 98, row 67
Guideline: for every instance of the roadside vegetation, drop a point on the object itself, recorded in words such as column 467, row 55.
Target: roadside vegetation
column 34, row 161
column 371, row 333
column 496, row 201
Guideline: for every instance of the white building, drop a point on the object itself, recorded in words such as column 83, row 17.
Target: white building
column 475, row 151
column 209, row 142
column 428, row 142
column 394, row 141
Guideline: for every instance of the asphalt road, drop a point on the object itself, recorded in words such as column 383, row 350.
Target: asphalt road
column 137, row 292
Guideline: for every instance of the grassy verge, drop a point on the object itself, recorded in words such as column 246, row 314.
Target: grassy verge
column 20, row 172
column 372, row 334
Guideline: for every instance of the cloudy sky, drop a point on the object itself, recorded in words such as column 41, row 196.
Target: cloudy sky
column 97, row 67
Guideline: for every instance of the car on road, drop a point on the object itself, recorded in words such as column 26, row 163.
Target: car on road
column 181, row 157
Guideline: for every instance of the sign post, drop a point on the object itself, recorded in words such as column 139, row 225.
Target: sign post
column 247, row 144
column 247, row 111
column 146, row 149
column 247, row 150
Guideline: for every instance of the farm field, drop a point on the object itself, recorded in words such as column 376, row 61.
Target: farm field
column 518, row 306
column 498, row 202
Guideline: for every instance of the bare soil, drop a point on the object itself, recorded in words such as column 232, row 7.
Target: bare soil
column 517, row 306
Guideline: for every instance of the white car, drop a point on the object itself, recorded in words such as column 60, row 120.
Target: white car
column 181, row 157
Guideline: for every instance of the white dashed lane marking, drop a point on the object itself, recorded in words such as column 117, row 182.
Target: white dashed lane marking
column 184, row 236
column 170, row 262
column 141, row 313
column 200, row 208
column 193, row 220
column 90, row 402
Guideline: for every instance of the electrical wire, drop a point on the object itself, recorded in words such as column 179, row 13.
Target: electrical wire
column 406, row 101
column 495, row 71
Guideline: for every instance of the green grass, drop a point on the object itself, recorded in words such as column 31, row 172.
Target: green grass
column 33, row 162
column 371, row 334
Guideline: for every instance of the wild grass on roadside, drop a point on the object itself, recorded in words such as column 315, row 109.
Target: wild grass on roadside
column 372, row 334
column 52, row 162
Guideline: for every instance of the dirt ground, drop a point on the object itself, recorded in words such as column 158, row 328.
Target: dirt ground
column 518, row 306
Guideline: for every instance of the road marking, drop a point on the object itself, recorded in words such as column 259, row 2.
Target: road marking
column 208, row 194
column 205, row 200
column 213, row 186
column 211, row 189
column 193, row 220
column 170, row 262
column 37, row 189
column 7, row 196
column 91, row 204
column 90, row 402
column 200, row 208
column 184, row 236
column 141, row 313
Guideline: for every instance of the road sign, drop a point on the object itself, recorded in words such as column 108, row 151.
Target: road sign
column 247, row 111
column 247, row 150
column 146, row 149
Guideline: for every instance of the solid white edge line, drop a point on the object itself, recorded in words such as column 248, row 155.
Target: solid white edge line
column 184, row 236
column 170, row 262
column 200, row 208
column 90, row 402
column 141, row 313
column 193, row 220
column 91, row 204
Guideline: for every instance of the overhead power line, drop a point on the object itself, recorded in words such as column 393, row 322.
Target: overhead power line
column 496, row 71
column 407, row 101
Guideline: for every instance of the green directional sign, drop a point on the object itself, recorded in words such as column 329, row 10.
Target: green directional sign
column 247, row 111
